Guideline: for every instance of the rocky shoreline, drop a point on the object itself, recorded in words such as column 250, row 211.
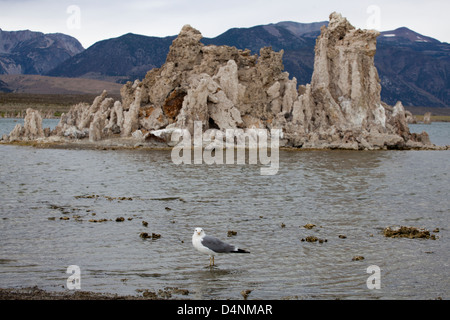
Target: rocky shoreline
column 133, row 144
column 224, row 88
column 35, row 293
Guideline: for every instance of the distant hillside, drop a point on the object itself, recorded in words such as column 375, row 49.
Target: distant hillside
column 51, row 95
column 4, row 87
column 34, row 84
column 413, row 68
column 28, row 52
column 120, row 59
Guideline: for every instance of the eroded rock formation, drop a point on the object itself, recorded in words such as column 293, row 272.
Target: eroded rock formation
column 31, row 130
column 342, row 108
column 427, row 118
column 226, row 88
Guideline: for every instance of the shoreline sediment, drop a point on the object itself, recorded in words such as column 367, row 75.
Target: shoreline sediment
column 35, row 293
column 136, row 144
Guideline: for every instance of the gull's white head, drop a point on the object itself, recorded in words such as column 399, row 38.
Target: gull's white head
column 199, row 232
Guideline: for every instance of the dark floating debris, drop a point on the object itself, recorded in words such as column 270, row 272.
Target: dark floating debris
column 156, row 236
column 314, row 239
column 246, row 293
column 98, row 221
column 153, row 236
column 309, row 226
column 145, row 223
column 231, row 233
column 168, row 199
column 408, row 232
column 93, row 196
column 63, row 210
column 96, row 196
column 120, row 219
column 358, row 258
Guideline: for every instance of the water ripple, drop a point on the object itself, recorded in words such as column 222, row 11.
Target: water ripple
column 51, row 198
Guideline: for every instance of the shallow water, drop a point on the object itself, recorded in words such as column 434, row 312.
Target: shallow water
column 438, row 132
column 7, row 124
column 356, row 194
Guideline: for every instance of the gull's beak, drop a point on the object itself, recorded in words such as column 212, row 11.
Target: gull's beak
column 198, row 233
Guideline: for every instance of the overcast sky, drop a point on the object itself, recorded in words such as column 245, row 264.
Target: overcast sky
column 94, row 20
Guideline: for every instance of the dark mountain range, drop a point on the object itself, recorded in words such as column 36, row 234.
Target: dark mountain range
column 413, row 68
column 120, row 59
column 4, row 87
column 28, row 52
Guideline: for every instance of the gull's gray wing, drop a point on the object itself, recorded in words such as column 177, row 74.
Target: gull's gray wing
column 217, row 245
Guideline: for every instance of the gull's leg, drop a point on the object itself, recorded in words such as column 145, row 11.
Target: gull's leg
column 213, row 261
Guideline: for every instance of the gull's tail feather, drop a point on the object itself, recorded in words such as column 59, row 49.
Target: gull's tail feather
column 240, row 251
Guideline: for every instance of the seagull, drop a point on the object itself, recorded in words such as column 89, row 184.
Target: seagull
column 212, row 246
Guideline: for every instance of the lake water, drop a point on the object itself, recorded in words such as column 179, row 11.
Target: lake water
column 8, row 124
column 356, row 194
